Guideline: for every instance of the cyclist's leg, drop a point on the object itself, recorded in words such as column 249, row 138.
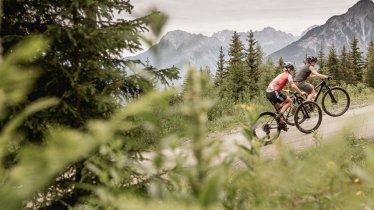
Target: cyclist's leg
column 308, row 88
column 312, row 94
column 286, row 104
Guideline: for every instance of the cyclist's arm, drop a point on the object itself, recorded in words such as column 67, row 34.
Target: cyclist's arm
column 286, row 91
column 316, row 74
column 293, row 85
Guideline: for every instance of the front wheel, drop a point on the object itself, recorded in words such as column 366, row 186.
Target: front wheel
column 308, row 117
column 266, row 127
column 335, row 102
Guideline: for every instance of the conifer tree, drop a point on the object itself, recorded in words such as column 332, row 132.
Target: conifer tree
column 237, row 73
column 369, row 73
column 252, row 59
column 279, row 68
column 236, row 50
column 84, row 66
column 267, row 73
column 346, row 67
column 260, row 55
column 321, row 60
column 357, row 60
column 333, row 63
column 220, row 73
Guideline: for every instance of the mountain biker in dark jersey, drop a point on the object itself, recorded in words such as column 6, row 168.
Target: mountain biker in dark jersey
column 276, row 97
column 304, row 73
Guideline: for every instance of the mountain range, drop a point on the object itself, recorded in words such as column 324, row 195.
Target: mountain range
column 180, row 48
column 338, row 31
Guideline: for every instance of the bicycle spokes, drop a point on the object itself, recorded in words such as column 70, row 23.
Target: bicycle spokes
column 335, row 102
column 308, row 117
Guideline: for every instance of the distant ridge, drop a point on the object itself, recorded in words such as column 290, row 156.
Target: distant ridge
column 339, row 30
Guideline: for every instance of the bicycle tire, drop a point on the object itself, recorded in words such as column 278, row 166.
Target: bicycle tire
column 264, row 124
column 308, row 110
column 289, row 115
column 335, row 91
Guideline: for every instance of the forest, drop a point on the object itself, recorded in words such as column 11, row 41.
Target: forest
column 83, row 128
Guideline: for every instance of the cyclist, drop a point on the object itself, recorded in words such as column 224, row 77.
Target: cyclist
column 276, row 97
column 304, row 73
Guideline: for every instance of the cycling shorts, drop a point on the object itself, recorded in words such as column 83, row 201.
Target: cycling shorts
column 276, row 97
column 304, row 86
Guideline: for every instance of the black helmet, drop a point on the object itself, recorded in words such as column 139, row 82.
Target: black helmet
column 289, row 65
column 311, row 58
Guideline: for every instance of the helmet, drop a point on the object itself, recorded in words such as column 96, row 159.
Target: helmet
column 289, row 65
column 311, row 58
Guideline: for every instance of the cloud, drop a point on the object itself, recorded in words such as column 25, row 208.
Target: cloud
column 209, row 16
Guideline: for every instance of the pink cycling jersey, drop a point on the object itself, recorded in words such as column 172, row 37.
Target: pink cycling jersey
column 279, row 82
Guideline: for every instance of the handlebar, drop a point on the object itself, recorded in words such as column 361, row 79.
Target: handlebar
column 329, row 78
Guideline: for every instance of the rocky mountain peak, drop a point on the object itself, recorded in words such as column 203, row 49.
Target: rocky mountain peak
column 362, row 8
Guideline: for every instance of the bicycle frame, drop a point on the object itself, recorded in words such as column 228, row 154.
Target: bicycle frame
column 320, row 86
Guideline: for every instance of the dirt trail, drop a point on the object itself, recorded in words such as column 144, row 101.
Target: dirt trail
column 358, row 120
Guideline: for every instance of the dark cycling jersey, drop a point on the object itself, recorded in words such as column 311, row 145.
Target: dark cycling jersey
column 303, row 74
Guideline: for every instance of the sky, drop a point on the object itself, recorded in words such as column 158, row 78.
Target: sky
column 209, row 16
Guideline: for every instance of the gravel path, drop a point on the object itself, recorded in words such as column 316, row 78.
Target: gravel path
column 357, row 120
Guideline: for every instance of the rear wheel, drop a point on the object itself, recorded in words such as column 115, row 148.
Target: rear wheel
column 290, row 113
column 308, row 117
column 335, row 102
column 266, row 127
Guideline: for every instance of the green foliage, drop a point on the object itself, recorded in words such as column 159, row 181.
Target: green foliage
column 252, row 59
column 321, row 59
column 357, row 61
column 221, row 70
column 279, row 68
column 330, row 176
column 83, row 67
column 346, row 67
column 333, row 64
column 132, row 159
column 369, row 73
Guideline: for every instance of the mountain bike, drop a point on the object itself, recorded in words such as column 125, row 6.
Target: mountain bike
column 307, row 117
column 335, row 100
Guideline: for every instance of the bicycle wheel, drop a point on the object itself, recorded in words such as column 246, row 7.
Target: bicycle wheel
column 290, row 113
column 308, row 117
column 266, row 127
column 335, row 102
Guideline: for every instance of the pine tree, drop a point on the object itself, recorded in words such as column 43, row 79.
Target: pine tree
column 346, row 67
column 252, row 59
column 220, row 73
column 357, row 60
column 236, row 50
column 333, row 63
column 321, row 60
column 84, row 66
column 369, row 73
column 279, row 68
column 260, row 55
column 267, row 73
column 237, row 83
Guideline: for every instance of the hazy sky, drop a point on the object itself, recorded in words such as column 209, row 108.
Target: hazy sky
column 209, row 16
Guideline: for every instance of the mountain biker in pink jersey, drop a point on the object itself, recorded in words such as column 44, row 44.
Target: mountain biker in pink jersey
column 276, row 97
column 304, row 73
